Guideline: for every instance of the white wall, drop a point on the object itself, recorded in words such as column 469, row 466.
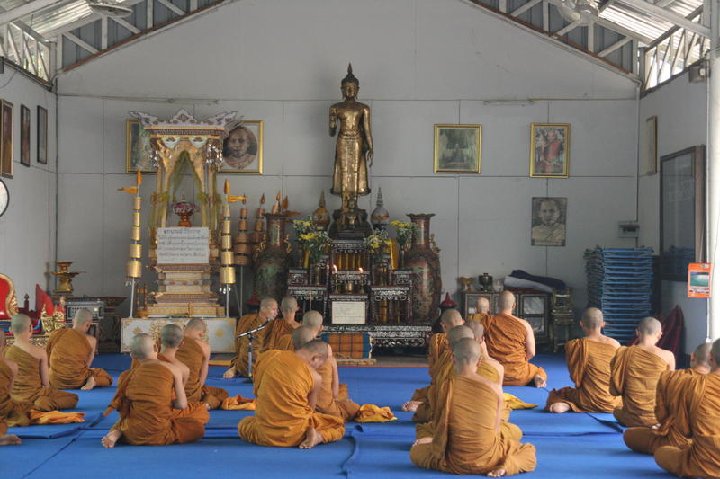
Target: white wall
column 420, row 62
column 681, row 108
column 27, row 229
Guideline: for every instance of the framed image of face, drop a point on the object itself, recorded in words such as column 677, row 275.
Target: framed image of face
column 549, row 150
column 243, row 148
column 457, row 148
column 137, row 148
column 24, row 135
column 548, row 221
column 42, row 135
column 6, row 139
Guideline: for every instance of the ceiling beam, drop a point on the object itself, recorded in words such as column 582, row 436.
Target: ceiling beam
column 668, row 16
column 27, row 9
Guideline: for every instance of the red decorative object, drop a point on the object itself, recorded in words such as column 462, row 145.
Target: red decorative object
column 184, row 209
column 448, row 303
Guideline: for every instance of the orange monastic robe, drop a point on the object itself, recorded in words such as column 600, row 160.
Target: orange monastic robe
column 277, row 335
column 438, row 344
column 11, row 413
column 343, row 406
column 702, row 457
column 634, row 376
column 144, row 399
column 479, row 317
column 190, row 353
column 589, row 366
column 283, row 382
column 466, row 440
column 27, row 388
column 505, row 337
column 68, row 352
column 439, row 374
column 247, row 323
column 675, row 391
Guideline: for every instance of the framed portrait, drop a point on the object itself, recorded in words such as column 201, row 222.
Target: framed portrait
column 457, row 148
column 549, row 150
column 648, row 147
column 548, row 221
column 6, row 139
column 24, row 135
column 42, row 135
column 137, row 148
column 243, row 148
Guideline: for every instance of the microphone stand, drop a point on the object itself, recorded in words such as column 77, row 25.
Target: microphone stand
column 251, row 337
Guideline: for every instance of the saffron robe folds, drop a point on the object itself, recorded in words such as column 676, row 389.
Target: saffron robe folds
column 506, row 337
column 68, row 352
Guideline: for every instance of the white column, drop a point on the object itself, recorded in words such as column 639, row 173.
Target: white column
column 713, row 174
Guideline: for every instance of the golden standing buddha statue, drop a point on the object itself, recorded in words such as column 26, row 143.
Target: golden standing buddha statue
column 353, row 157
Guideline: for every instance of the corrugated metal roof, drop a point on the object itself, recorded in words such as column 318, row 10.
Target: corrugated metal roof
column 649, row 26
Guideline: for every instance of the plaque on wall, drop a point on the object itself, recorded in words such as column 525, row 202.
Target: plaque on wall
column 178, row 245
column 348, row 312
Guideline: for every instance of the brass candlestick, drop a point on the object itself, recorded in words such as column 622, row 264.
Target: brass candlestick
column 64, row 277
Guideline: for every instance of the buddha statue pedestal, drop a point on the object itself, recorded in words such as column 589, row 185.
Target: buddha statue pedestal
column 350, row 223
column 184, row 290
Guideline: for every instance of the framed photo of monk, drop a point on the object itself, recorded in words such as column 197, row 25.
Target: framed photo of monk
column 549, row 150
column 6, row 140
column 24, row 135
column 138, row 153
column 243, row 148
column 458, row 148
column 548, row 221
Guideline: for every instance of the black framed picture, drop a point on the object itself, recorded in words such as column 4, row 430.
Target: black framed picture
column 24, row 135
column 42, row 135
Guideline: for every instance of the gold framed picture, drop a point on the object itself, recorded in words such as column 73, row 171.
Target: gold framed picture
column 243, row 148
column 458, row 148
column 6, row 139
column 138, row 153
column 549, row 150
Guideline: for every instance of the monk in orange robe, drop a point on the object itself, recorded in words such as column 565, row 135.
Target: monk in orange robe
column 437, row 346
column 152, row 403
column 195, row 354
column 635, row 372
column 467, row 437
column 511, row 341
column 482, row 308
column 10, row 412
column 239, row 364
column 588, row 360
column 277, row 334
column 71, row 352
column 702, row 457
column 32, row 383
column 675, row 391
column 286, row 386
column 331, row 397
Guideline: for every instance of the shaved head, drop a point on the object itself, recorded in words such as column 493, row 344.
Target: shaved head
column 142, row 346
column 715, row 352
column 467, row 350
column 316, row 347
column 303, row 335
column 459, row 332
column 171, row 335
column 196, row 324
column 313, row 319
column 268, row 303
column 82, row 316
column 20, row 323
column 649, row 326
column 288, row 304
column 701, row 355
column 451, row 318
column 483, row 305
column 478, row 330
column 592, row 318
column 507, row 300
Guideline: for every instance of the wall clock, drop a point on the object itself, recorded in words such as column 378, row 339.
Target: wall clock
column 4, row 197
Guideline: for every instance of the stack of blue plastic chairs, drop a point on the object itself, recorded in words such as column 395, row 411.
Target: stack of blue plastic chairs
column 620, row 284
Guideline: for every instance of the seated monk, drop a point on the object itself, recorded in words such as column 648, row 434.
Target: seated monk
column 482, row 310
column 171, row 337
column 330, row 398
column 277, row 334
column 239, row 364
column 71, row 352
column 588, row 360
column 511, row 341
column 438, row 344
column 194, row 353
column 152, row 404
column 675, row 391
column 286, row 387
column 467, row 437
column 31, row 387
column 635, row 371
column 11, row 414
column 702, row 457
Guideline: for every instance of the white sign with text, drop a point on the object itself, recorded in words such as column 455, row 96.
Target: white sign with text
column 183, row 245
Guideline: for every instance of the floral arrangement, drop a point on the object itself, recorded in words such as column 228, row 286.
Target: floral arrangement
column 377, row 242
column 184, row 208
column 404, row 230
column 311, row 239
